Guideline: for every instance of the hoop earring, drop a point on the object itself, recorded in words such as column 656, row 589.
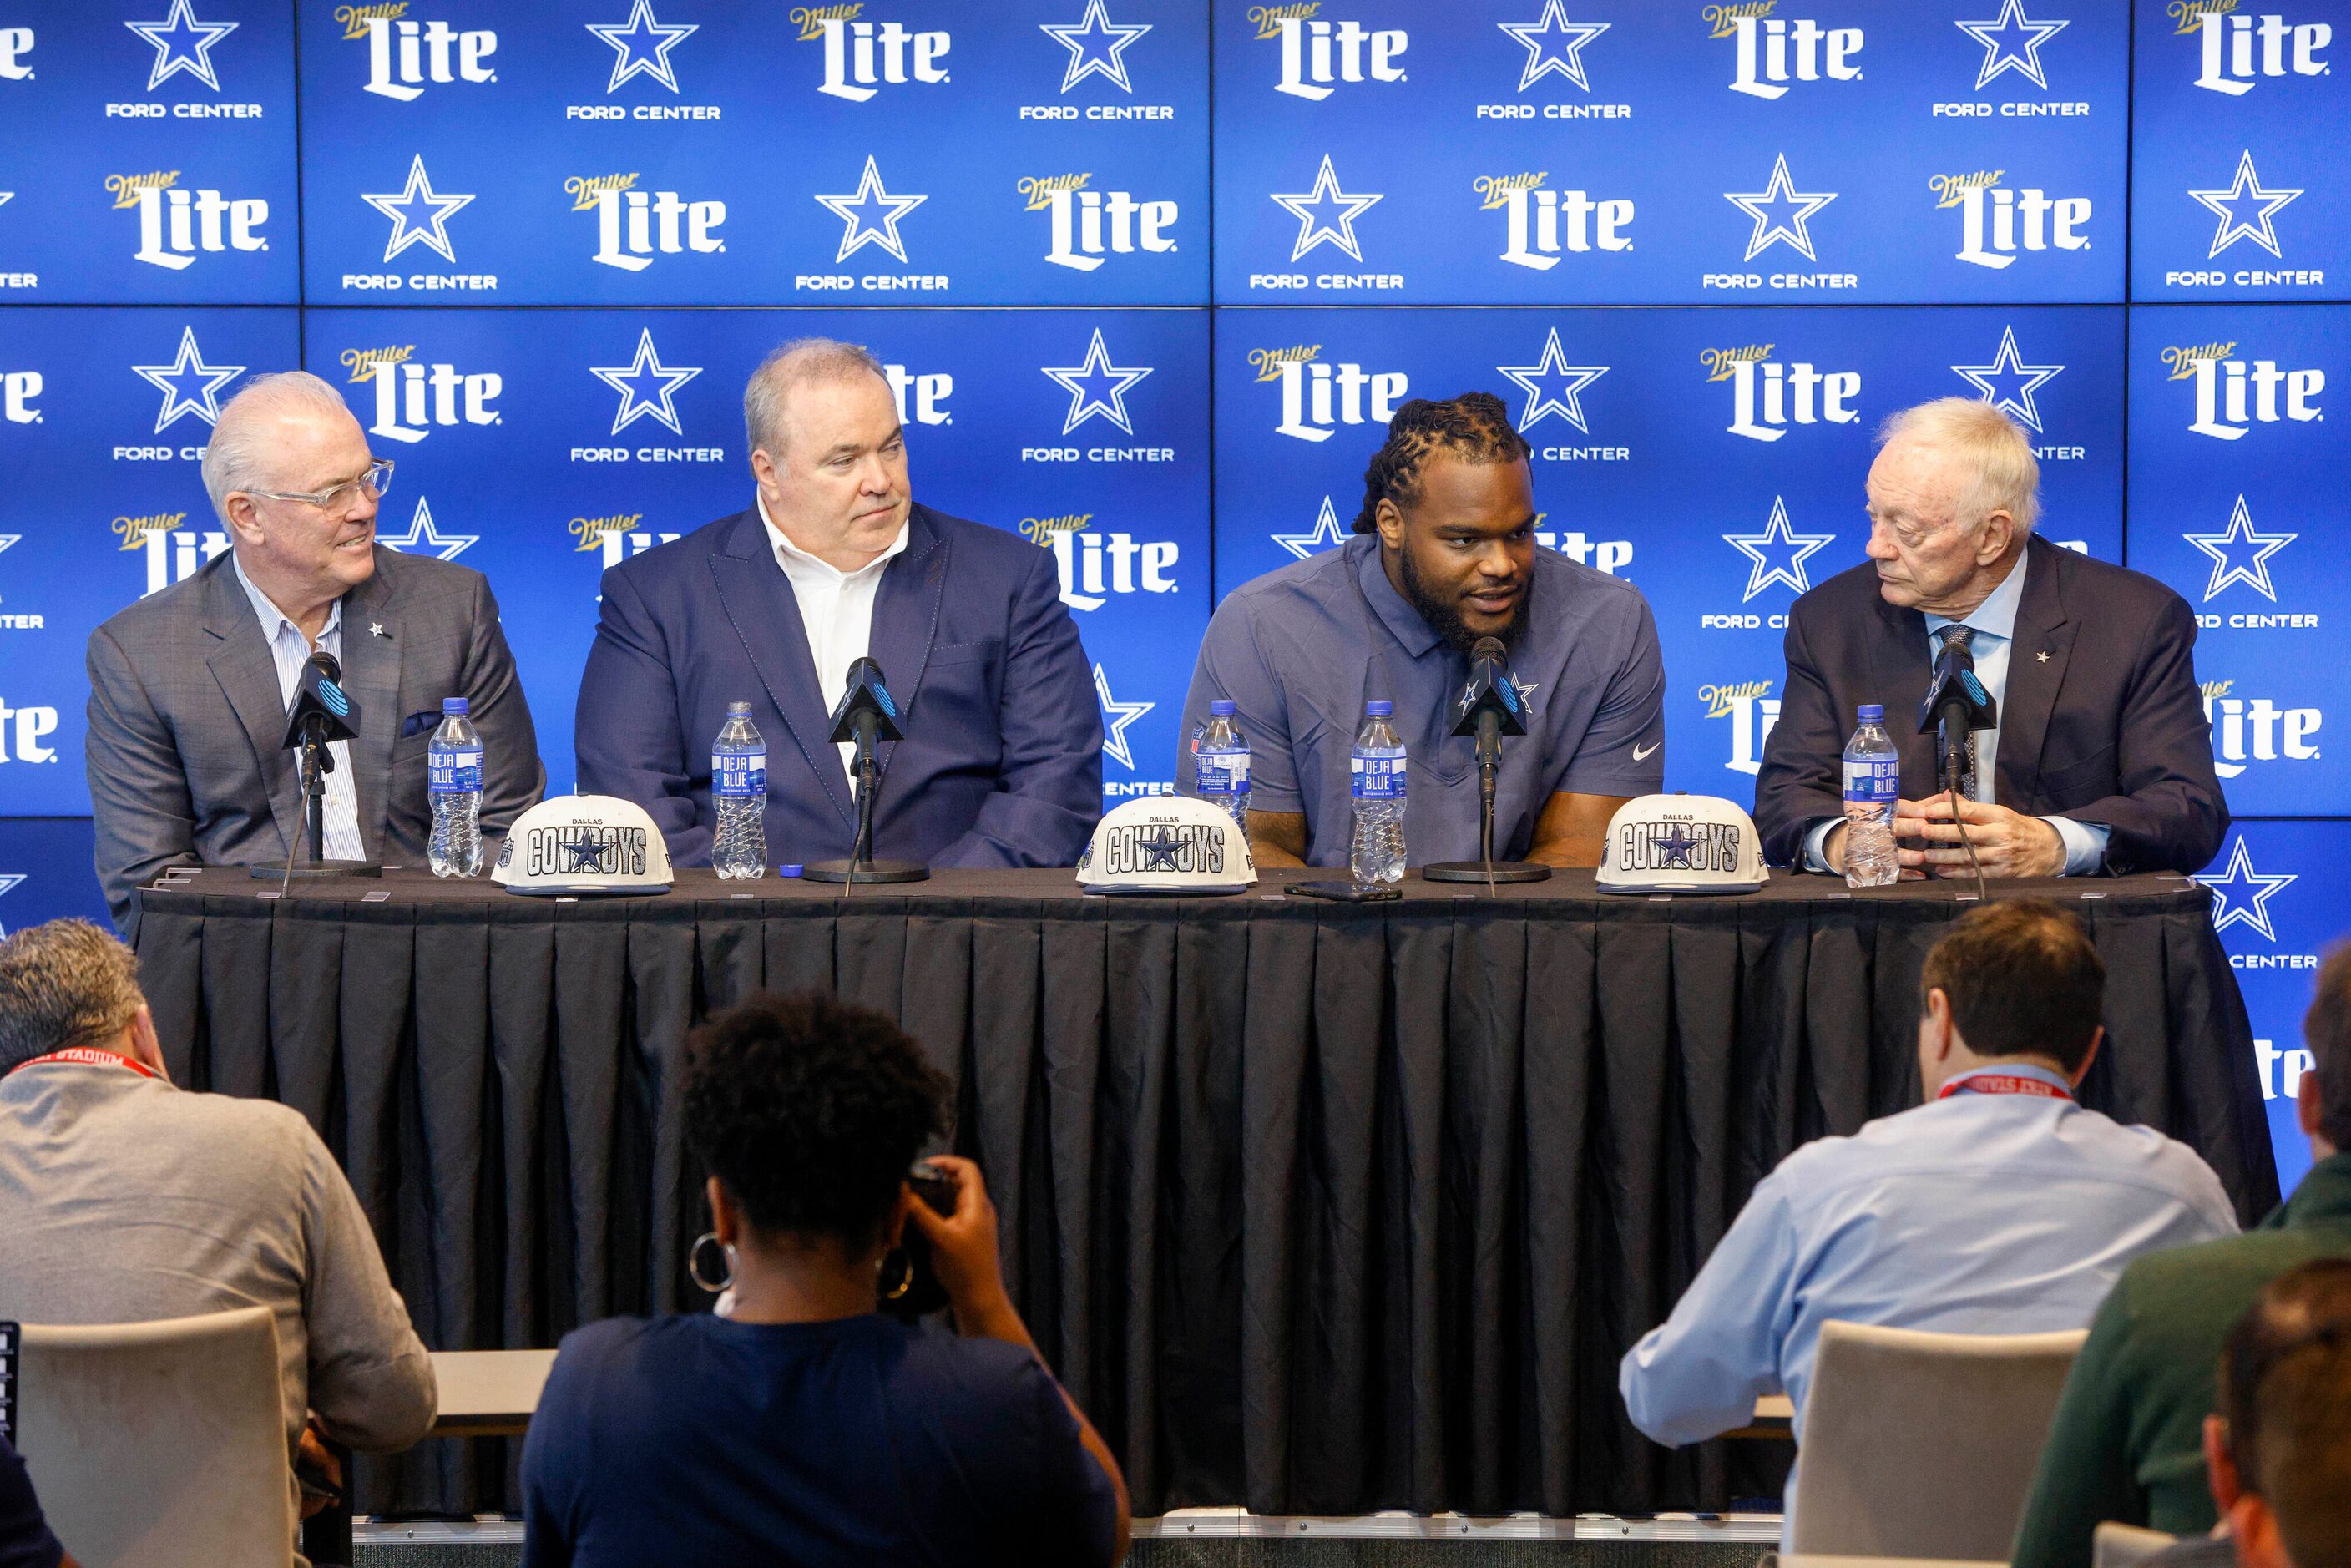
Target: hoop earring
column 694, row 1263
column 906, row 1273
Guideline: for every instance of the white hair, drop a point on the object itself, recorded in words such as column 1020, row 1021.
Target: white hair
column 2004, row 474
column 800, row 362
column 236, row 458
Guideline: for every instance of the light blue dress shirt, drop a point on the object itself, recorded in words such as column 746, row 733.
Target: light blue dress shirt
column 1994, row 622
column 1974, row 1213
column 289, row 650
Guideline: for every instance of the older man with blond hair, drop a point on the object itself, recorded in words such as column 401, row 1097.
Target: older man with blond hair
column 189, row 687
column 2101, row 762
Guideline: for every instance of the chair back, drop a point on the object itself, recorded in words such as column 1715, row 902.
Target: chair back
column 1924, row 1445
column 159, row 1443
column 2117, row 1545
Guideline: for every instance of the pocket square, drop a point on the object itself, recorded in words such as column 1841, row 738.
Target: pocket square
column 418, row 722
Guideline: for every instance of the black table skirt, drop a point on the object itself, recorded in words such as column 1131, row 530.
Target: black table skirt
column 1316, row 1208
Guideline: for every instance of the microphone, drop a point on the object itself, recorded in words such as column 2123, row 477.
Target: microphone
column 1488, row 708
column 321, row 711
column 866, row 713
column 1955, row 705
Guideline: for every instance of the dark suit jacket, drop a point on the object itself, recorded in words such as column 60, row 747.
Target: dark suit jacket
column 186, row 723
column 1001, row 763
column 2110, row 728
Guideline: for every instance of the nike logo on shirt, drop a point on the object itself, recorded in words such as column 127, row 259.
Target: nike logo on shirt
column 1641, row 754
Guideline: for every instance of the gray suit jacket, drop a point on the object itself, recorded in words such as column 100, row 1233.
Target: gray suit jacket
column 185, row 722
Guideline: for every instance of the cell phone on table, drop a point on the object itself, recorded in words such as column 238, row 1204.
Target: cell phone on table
column 1346, row 892
column 922, row 1293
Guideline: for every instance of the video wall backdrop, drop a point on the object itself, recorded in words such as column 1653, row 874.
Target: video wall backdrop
column 1150, row 276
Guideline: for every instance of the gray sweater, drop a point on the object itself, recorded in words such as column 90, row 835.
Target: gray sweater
column 123, row 1199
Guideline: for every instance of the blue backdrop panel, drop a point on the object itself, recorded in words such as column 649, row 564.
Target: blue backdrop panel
column 146, row 156
column 1626, row 151
column 45, row 872
column 103, row 419
column 1627, row 409
column 541, row 447
column 2238, row 188
column 2277, row 905
column 2240, row 498
column 896, row 152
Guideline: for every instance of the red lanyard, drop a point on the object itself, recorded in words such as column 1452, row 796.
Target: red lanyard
column 2003, row 1083
column 88, row 1056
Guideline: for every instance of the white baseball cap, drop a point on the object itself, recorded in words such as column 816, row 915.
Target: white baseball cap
column 576, row 844
column 1166, row 844
column 1681, row 843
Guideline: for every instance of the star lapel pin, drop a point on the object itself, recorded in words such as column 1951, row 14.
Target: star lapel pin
column 375, row 629
column 2042, row 656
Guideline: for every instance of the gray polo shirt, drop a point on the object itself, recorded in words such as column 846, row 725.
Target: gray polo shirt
column 1300, row 650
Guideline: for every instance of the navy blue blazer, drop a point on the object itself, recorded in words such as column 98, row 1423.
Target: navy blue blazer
column 1001, row 765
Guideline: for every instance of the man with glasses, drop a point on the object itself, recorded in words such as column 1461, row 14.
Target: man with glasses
column 189, row 687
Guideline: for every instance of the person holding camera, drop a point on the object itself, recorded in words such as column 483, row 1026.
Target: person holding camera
column 807, row 1425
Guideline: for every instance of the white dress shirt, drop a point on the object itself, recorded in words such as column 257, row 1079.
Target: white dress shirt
column 836, row 611
column 290, row 651
column 1994, row 624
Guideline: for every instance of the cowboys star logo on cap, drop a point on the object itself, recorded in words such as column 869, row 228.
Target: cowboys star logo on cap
column 1166, row 844
column 579, row 844
column 1681, row 843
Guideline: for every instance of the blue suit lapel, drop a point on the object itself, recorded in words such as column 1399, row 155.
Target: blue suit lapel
column 906, row 614
column 241, row 661
column 2037, row 654
column 1900, row 669
column 759, row 605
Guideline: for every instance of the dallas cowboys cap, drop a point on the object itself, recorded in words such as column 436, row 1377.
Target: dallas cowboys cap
column 1681, row 843
column 1166, row 844
column 579, row 844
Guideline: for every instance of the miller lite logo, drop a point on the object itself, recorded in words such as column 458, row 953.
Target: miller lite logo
column 171, row 553
column 1752, row 717
column 1317, row 398
column 17, row 390
column 15, row 43
column 1094, row 566
column 860, row 56
column 2234, row 395
column 21, row 728
column 1539, row 223
column 615, row 536
column 1996, row 222
column 1773, row 52
column 922, row 399
column 1087, row 226
column 2234, row 52
column 411, row 399
column 633, row 227
column 2246, row 730
column 404, row 57
column 1767, row 396
column 176, row 225
column 1316, row 54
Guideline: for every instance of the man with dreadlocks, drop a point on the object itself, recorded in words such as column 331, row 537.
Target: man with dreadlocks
column 1445, row 555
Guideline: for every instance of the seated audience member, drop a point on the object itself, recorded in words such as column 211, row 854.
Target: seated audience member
column 2127, row 1444
column 2280, row 1449
column 1999, row 1205
column 805, row 1426
column 25, row 1538
column 124, row 1199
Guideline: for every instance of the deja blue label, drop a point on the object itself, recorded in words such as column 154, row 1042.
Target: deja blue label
column 741, row 775
column 454, row 770
column 1223, row 773
column 1377, row 777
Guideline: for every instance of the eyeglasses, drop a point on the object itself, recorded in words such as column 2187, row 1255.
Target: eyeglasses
column 373, row 483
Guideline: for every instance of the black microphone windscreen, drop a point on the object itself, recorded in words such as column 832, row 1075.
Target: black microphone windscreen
column 327, row 664
column 1488, row 648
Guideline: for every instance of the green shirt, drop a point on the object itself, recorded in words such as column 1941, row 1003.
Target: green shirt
column 2129, row 1440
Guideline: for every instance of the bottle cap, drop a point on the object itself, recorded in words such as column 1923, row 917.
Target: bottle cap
column 453, row 704
column 1223, row 708
column 1872, row 712
column 734, row 709
column 1379, row 708
column 793, row 870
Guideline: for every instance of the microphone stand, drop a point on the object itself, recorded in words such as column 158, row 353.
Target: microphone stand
column 1484, row 869
column 317, row 763
column 861, row 865
column 1950, row 753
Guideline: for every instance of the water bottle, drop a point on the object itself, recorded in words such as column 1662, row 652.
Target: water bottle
column 1221, row 763
column 1873, row 781
column 739, row 788
column 1376, row 774
column 453, row 766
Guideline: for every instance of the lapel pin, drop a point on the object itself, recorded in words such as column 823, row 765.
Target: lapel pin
column 375, row 629
column 2042, row 655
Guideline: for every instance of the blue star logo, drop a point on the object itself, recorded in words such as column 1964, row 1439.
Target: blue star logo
column 1544, row 57
column 1095, row 43
column 1326, row 214
column 1553, row 386
column 2253, row 574
column 2237, row 205
column 1778, row 552
column 1326, row 534
column 1676, row 849
column 189, row 386
column 421, row 536
column 2242, row 894
column 645, row 385
column 2008, row 382
column 2011, row 42
column 9, row 882
column 642, row 46
column 182, row 44
column 1096, row 387
column 1766, row 205
column 586, row 856
column 1159, row 852
column 859, row 208
column 1117, row 716
column 419, row 214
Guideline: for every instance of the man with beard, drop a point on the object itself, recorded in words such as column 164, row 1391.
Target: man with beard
column 1447, row 555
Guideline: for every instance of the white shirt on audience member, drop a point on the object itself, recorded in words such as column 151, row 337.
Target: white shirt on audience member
column 836, row 612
